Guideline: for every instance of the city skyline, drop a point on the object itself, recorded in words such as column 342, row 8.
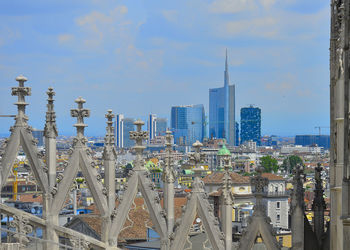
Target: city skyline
column 117, row 55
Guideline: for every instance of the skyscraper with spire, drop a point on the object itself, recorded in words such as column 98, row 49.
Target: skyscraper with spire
column 222, row 110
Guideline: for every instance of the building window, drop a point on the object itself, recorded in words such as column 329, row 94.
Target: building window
column 276, row 189
column 280, row 240
column 278, row 204
column 278, row 218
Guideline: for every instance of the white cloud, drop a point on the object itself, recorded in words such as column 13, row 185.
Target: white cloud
column 65, row 38
column 170, row 15
column 231, row 6
column 98, row 25
column 8, row 35
column 266, row 27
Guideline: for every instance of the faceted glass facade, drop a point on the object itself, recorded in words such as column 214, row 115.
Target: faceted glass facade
column 187, row 123
column 222, row 111
column 251, row 124
column 308, row 140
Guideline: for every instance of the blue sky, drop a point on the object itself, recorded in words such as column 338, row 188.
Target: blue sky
column 142, row 56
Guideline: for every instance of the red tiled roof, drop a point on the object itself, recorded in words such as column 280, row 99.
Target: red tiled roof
column 272, row 177
column 138, row 220
column 217, row 177
column 29, row 198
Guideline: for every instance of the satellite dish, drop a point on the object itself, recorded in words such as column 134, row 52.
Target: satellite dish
column 198, row 220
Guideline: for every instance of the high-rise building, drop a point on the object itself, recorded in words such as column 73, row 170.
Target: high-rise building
column 119, row 124
column 237, row 134
column 251, row 124
column 152, row 126
column 222, row 110
column 39, row 135
column 162, row 125
column 308, row 140
column 122, row 128
column 188, row 123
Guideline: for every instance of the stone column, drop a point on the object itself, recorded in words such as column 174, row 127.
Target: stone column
column 50, row 133
column 339, row 101
column 168, row 180
column 318, row 205
column 227, row 203
column 297, row 210
column 109, row 166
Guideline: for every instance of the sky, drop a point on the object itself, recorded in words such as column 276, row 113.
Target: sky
column 143, row 56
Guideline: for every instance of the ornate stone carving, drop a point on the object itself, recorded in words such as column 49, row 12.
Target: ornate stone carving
column 79, row 243
column 22, row 226
column 168, row 172
column 139, row 136
column 50, row 130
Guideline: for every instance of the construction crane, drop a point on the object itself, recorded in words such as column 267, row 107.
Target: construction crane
column 15, row 182
column 319, row 129
column 7, row 115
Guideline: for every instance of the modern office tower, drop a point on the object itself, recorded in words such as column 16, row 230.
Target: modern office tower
column 162, row 125
column 119, row 124
column 237, row 134
column 122, row 128
column 128, row 126
column 39, row 135
column 222, row 110
column 151, row 126
column 251, row 124
column 308, row 140
column 188, row 122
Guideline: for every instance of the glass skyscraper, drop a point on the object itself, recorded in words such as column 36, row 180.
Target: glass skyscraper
column 39, row 135
column 187, row 123
column 122, row 128
column 251, row 124
column 308, row 140
column 152, row 126
column 222, row 110
column 162, row 125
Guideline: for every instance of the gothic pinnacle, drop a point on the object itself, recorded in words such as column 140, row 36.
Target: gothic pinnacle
column 21, row 92
column 109, row 139
column 50, row 129
column 139, row 136
column 80, row 113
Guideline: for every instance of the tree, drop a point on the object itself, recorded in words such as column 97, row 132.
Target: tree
column 269, row 164
column 291, row 162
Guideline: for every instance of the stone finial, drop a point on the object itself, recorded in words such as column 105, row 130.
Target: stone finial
column 138, row 136
column 109, row 139
column 80, row 113
column 50, row 129
column 318, row 198
column 168, row 174
column 227, row 182
column 168, row 143
column 21, row 92
column 298, row 189
column 259, row 183
column 196, row 158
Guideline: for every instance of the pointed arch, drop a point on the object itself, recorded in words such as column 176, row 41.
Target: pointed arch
column 197, row 204
column 21, row 136
column 259, row 225
column 80, row 159
column 139, row 182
